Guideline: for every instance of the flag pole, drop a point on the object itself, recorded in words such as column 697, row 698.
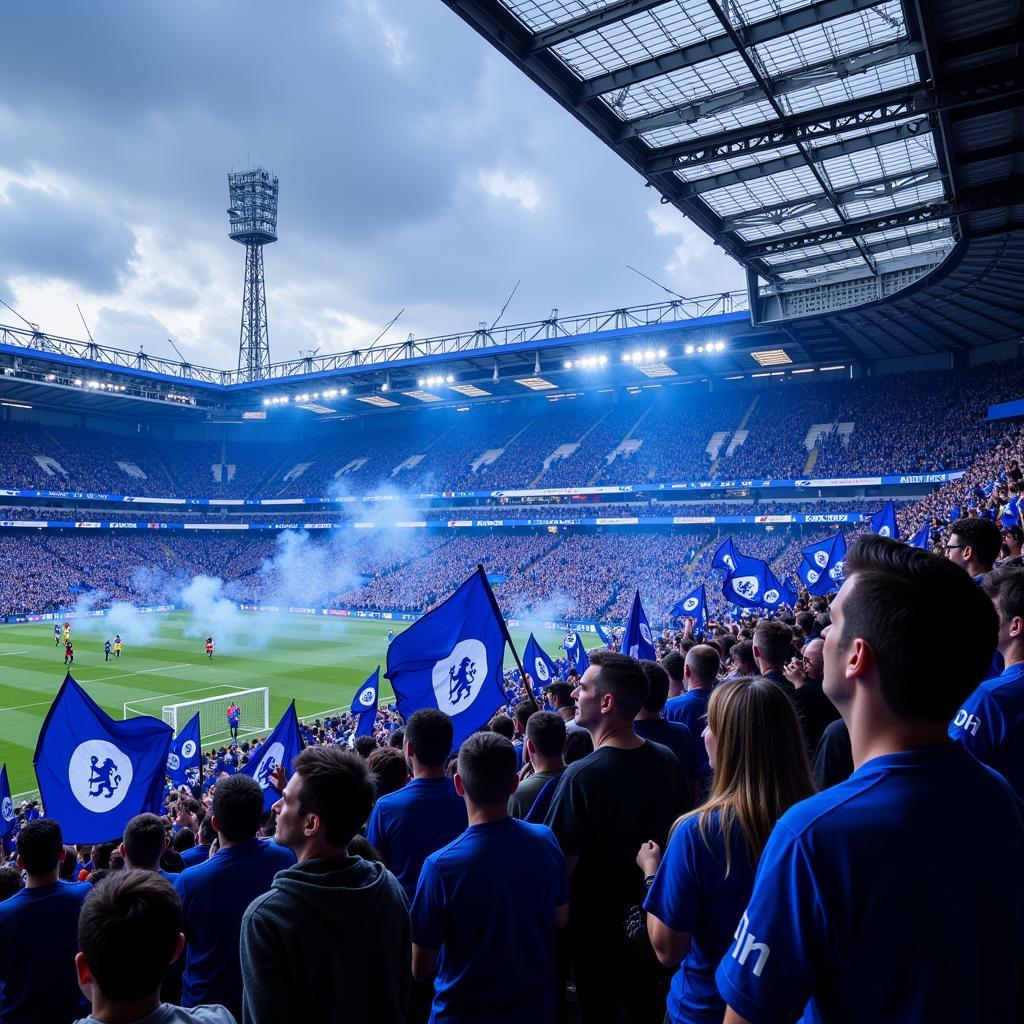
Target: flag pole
column 508, row 636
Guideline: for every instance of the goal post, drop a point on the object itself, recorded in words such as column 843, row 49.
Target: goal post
column 253, row 704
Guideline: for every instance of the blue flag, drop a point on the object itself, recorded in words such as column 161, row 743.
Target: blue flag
column 695, row 606
column 776, row 593
column 883, row 522
column 8, row 822
column 95, row 774
column 538, row 665
column 281, row 747
column 183, row 758
column 637, row 641
column 602, row 635
column 725, row 557
column 576, row 652
column 452, row 659
column 364, row 704
column 745, row 586
column 922, row 539
column 823, row 564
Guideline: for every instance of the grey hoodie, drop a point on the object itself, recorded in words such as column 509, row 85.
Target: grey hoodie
column 329, row 942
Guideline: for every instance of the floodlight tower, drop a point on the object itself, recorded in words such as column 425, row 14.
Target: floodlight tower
column 253, row 216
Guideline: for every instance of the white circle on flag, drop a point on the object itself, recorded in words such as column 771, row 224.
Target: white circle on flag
column 7, row 809
column 188, row 749
column 173, row 762
column 645, row 632
column 459, row 678
column 690, row 604
column 836, row 572
column 541, row 670
column 771, row 596
column 884, row 531
column 100, row 775
column 268, row 762
column 813, row 576
column 820, row 559
column 745, row 586
column 367, row 697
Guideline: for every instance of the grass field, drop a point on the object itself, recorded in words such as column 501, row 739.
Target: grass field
column 320, row 662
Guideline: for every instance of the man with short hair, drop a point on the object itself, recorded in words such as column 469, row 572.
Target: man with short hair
column 216, row 892
column 773, row 645
column 143, row 844
column 426, row 813
column 815, row 711
column 545, row 741
column 674, row 664
column 467, row 918
column 607, row 805
column 847, row 871
column 700, row 673
column 330, row 941
column 990, row 723
column 559, row 695
column 201, row 851
column 129, row 933
column 38, row 940
column 974, row 545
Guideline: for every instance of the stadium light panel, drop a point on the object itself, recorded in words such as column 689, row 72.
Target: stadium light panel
column 657, row 370
column 826, row 369
column 536, row 383
column 422, row 396
column 688, row 350
column 449, row 379
column 470, row 390
column 377, row 400
column 771, row 357
column 567, row 364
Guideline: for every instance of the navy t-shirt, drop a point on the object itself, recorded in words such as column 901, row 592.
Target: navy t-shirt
column 691, row 709
column 214, row 897
column 892, row 896
column 691, row 893
column 410, row 824
column 38, row 943
column 489, row 929
column 991, row 725
column 678, row 738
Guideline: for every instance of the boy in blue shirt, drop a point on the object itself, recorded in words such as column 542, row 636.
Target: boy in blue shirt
column 882, row 898
column 990, row 724
column 215, row 894
column 38, row 928
column 468, row 921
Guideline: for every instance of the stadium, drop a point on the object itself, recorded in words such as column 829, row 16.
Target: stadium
column 254, row 552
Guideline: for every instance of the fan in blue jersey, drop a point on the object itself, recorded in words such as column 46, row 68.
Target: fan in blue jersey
column 859, row 905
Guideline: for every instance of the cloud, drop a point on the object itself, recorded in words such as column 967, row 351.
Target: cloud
column 418, row 168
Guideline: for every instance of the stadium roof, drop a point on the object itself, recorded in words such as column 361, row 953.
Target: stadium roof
column 819, row 143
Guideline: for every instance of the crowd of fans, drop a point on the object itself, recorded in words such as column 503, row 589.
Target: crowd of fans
column 737, row 831
column 606, row 438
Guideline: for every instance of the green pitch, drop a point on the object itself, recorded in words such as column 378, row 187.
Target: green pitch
column 320, row 662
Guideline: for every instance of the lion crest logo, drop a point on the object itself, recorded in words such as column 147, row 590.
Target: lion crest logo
column 268, row 764
column 459, row 678
column 100, row 775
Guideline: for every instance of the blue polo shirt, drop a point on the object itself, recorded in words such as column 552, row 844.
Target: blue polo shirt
column 410, row 824
column 892, row 896
column 195, row 855
column 38, row 943
column 488, row 929
column 214, row 897
column 690, row 708
column 991, row 725
column 691, row 893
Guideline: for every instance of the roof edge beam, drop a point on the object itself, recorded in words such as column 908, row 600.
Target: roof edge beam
column 574, row 27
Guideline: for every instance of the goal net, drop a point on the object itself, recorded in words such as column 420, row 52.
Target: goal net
column 254, row 707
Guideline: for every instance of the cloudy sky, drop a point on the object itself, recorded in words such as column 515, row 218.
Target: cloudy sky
column 418, row 169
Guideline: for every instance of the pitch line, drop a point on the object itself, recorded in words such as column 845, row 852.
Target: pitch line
column 11, row 654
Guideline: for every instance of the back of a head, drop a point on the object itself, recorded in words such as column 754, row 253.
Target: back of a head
column 396, row 739
column 337, row 787
column 128, row 931
column 503, row 726
column 657, row 686
column 546, row 731
column 237, row 806
column 623, row 678
column 429, row 732
column 805, row 620
column 578, row 745
column 69, row 864
column 761, row 764
column 981, row 535
column 364, row 746
column 703, row 662
column 674, row 663
column 144, row 838
column 908, row 606
column 389, row 770
column 774, row 641
column 40, row 846
column 741, row 658
column 10, row 882
column 523, row 713
column 487, row 768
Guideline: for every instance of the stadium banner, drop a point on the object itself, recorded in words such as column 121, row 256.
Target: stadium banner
column 890, row 479
column 796, row 518
column 93, row 613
